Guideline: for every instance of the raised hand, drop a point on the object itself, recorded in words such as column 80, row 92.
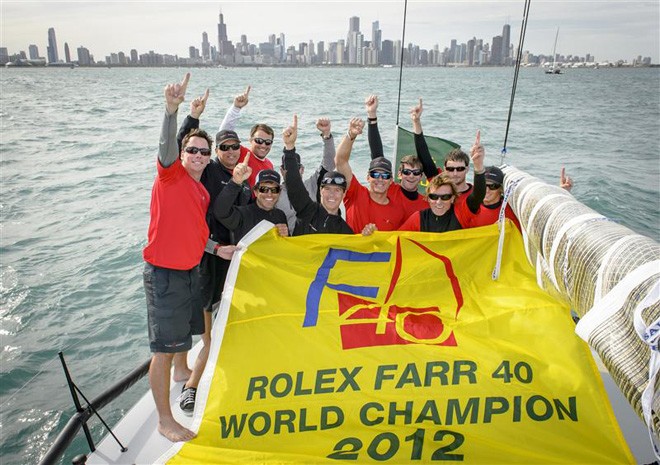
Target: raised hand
column 477, row 153
column 355, row 127
column 323, row 125
column 242, row 99
column 416, row 112
column 290, row 134
column 175, row 94
column 565, row 182
column 242, row 171
column 371, row 104
column 198, row 105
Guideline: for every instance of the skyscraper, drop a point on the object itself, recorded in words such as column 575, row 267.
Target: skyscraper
column 352, row 39
column 206, row 46
column 506, row 44
column 67, row 54
column 52, row 46
column 34, row 52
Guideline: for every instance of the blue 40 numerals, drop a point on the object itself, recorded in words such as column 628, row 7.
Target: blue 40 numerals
column 385, row 445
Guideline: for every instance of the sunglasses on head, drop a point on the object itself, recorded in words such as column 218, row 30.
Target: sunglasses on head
column 266, row 189
column 408, row 172
column 440, row 196
column 225, row 147
column 261, row 141
column 195, row 150
column 337, row 181
column 456, row 168
column 380, row 175
column 494, row 186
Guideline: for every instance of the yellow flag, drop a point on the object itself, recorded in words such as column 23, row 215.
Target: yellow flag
column 397, row 348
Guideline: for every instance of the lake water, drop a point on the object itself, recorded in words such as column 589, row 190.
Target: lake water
column 77, row 165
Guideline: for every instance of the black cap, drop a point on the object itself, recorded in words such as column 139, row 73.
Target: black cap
column 334, row 178
column 494, row 174
column 226, row 135
column 381, row 163
column 266, row 176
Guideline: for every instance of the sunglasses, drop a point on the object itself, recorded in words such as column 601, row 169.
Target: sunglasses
column 440, row 196
column 408, row 172
column 494, row 186
column 195, row 150
column 266, row 189
column 451, row 169
column 225, row 147
column 260, row 141
column 337, row 180
column 380, row 175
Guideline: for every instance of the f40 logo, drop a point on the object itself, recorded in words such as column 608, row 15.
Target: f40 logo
column 367, row 323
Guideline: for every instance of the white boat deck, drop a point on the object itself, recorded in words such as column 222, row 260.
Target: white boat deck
column 137, row 430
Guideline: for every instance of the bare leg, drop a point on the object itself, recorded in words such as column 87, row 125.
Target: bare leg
column 203, row 355
column 181, row 370
column 159, row 378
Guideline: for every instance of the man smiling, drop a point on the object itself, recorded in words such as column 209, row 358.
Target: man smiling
column 241, row 219
column 368, row 207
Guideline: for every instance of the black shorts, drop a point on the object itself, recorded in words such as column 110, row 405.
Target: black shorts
column 213, row 272
column 174, row 308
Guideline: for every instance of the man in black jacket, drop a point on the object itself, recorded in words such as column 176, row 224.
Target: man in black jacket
column 241, row 219
column 312, row 217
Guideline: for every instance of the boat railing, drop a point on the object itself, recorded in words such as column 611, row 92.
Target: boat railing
column 82, row 416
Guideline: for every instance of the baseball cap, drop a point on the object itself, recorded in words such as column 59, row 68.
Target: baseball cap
column 225, row 135
column 494, row 174
column 334, row 178
column 266, row 176
column 381, row 163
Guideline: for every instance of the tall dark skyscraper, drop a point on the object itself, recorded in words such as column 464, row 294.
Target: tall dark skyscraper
column 206, row 46
column 52, row 46
column 506, row 43
column 67, row 54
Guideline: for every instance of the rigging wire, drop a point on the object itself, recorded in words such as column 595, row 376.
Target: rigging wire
column 521, row 41
column 403, row 41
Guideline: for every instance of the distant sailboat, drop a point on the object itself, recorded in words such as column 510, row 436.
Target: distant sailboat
column 554, row 69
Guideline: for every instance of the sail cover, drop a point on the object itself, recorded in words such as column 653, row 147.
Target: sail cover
column 395, row 348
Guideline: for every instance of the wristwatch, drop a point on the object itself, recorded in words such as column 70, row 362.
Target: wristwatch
column 324, row 137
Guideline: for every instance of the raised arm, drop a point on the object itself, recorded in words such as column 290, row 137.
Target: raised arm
column 422, row 149
column 478, row 193
column 192, row 120
column 328, row 161
column 167, row 148
column 234, row 112
column 565, row 181
column 298, row 195
column 355, row 127
column 373, row 134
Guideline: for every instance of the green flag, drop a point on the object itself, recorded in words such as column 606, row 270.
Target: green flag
column 438, row 148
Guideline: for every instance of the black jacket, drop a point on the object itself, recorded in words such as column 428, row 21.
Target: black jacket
column 311, row 217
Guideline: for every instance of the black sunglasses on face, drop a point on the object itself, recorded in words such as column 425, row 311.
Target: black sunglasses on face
column 456, row 168
column 444, row 197
column 261, row 141
column 225, row 147
column 494, row 186
column 272, row 190
column 408, row 172
column 195, row 150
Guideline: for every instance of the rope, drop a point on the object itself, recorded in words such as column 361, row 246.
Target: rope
column 521, row 41
column 403, row 41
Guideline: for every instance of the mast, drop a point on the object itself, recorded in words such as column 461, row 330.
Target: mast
column 554, row 50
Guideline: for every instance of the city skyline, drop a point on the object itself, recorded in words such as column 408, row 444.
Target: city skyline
column 637, row 25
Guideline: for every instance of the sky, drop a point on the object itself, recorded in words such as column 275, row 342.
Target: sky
column 609, row 30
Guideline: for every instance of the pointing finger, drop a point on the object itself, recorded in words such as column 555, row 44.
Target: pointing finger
column 477, row 141
column 295, row 121
column 247, row 158
column 184, row 83
column 247, row 90
column 205, row 96
column 563, row 174
column 420, row 102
